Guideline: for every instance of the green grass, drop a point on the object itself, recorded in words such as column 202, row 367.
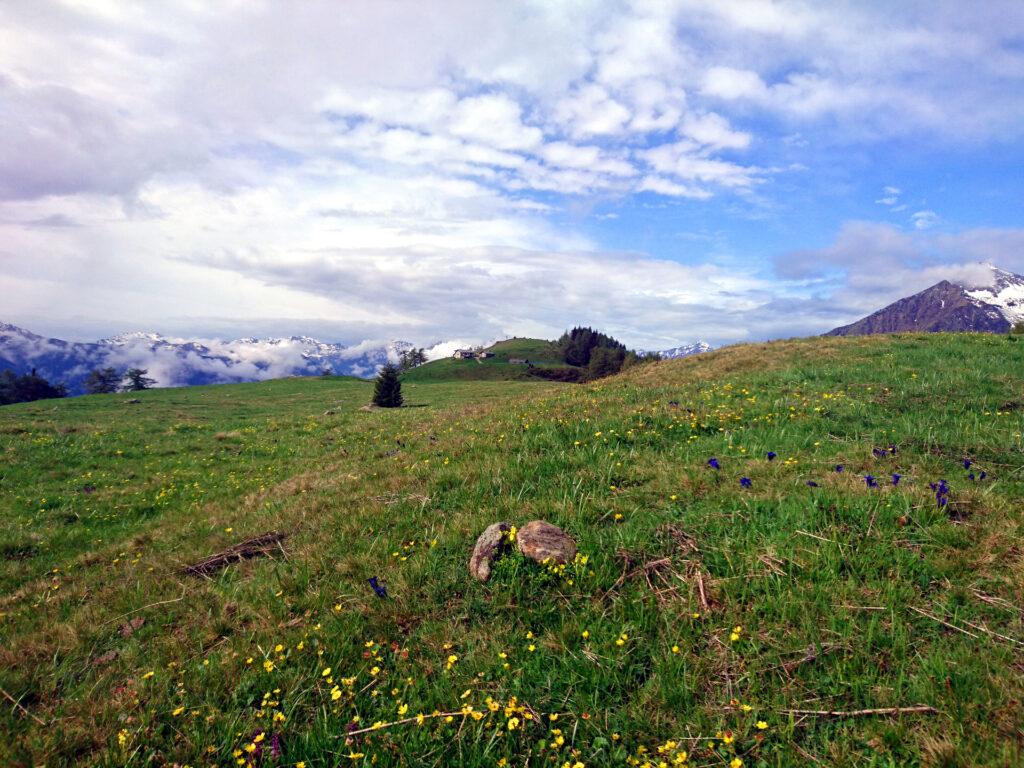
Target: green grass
column 540, row 353
column 836, row 588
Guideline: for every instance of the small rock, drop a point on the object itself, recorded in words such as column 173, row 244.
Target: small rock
column 540, row 540
column 493, row 542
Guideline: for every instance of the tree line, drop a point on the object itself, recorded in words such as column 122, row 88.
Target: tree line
column 105, row 381
column 27, row 388
column 100, row 381
column 599, row 354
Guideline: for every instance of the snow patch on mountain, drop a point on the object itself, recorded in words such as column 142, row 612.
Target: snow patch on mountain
column 1004, row 292
column 685, row 350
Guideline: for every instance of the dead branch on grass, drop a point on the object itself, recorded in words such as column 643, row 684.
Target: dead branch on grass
column 920, row 709
column 258, row 546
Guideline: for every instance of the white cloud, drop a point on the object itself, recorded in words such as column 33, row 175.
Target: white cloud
column 871, row 265
column 590, row 158
column 143, row 169
column 890, row 196
column 591, row 111
column 684, row 161
column 713, row 131
column 924, row 219
column 495, row 120
column 731, row 83
column 663, row 186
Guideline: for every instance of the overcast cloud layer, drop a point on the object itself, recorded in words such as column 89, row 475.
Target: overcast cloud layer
column 728, row 170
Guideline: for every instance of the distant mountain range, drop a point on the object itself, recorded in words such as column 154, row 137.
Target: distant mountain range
column 992, row 307
column 180, row 362
column 685, row 350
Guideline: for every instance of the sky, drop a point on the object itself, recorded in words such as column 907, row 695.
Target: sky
column 725, row 170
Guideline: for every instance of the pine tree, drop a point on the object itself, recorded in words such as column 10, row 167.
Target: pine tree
column 102, row 381
column 137, row 380
column 387, row 390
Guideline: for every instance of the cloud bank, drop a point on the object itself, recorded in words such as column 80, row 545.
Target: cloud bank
column 473, row 169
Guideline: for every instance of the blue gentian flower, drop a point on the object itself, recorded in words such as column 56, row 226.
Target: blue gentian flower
column 896, row 478
column 713, row 463
column 812, row 484
column 941, row 492
column 745, row 482
column 967, row 463
column 880, row 452
column 983, row 475
column 772, row 455
column 379, row 588
column 970, row 475
column 839, row 467
column 870, row 480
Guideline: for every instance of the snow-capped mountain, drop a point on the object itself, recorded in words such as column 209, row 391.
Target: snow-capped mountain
column 1005, row 293
column 991, row 306
column 685, row 350
column 182, row 362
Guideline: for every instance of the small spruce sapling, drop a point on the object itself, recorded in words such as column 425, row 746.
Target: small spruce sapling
column 387, row 390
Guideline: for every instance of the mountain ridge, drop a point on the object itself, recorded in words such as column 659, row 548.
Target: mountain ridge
column 949, row 306
column 183, row 362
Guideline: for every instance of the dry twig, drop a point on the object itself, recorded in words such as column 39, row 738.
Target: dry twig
column 920, row 709
column 257, row 546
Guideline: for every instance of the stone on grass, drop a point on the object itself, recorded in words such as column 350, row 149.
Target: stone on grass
column 493, row 542
column 542, row 541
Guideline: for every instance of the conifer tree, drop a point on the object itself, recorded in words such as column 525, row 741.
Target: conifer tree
column 137, row 380
column 387, row 390
column 102, row 381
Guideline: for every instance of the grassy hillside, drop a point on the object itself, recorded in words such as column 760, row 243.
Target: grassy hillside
column 769, row 623
column 540, row 353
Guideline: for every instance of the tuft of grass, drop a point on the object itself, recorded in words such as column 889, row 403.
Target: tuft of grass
column 699, row 610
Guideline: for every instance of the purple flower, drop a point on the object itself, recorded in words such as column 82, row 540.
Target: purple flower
column 745, row 482
column 812, row 484
column 941, row 492
column 880, row 452
column 983, row 475
column 870, row 480
column 839, row 467
column 896, row 478
column 379, row 588
column 713, row 463
column 772, row 455
column 275, row 745
column 970, row 475
column 967, row 463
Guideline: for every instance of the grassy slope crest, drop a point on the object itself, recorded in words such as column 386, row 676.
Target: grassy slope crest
column 539, row 352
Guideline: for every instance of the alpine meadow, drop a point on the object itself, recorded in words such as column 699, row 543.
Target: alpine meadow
column 511, row 384
column 793, row 553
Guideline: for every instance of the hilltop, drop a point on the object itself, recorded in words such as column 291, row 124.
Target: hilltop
column 763, row 609
column 519, row 359
column 538, row 352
